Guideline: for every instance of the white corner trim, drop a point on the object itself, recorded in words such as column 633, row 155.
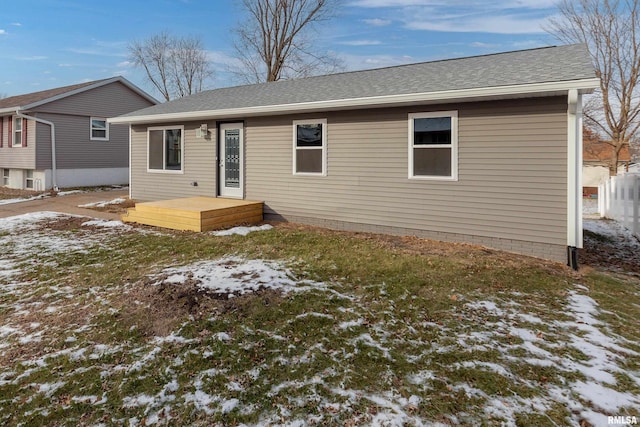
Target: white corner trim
column 574, row 169
column 583, row 85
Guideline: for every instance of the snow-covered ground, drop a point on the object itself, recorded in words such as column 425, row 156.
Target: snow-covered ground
column 519, row 335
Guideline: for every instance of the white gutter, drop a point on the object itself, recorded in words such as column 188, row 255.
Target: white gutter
column 53, row 145
column 548, row 88
column 574, row 169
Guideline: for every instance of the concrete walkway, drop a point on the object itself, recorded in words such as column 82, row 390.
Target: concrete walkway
column 66, row 204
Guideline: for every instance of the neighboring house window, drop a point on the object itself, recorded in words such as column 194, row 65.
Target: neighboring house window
column 433, row 145
column 5, row 177
column 99, row 129
column 29, row 180
column 165, row 148
column 17, row 132
column 310, row 147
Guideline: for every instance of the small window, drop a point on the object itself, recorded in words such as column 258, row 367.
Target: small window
column 165, row 147
column 17, row 132
column 433, row 145
column 310, row 146
column 99, row 129
column 29, row 180
column 5, row 177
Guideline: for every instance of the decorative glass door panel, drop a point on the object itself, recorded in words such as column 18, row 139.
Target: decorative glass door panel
column 231, row 160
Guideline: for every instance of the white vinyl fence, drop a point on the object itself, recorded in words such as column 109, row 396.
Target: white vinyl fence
column 619, row 199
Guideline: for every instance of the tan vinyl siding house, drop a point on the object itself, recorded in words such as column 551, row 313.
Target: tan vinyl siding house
column 511, row 174
column 84, row 155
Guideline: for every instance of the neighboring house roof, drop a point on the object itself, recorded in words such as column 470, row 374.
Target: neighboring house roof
column 34, row 99
column 597, row 151
column 545, row 71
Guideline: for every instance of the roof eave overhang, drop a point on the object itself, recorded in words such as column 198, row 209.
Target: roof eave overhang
column 462, row 95
column 9, row 110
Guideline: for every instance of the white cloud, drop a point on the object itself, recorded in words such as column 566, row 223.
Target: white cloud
column 3, row 32
column 365, row 62
column 16, row 24
column 377, row 22
column 361, row 43
column 481, row 16
column 507, row 24
column 483, row 45
column 389, row 3
column 218, row 57
column 124, row 64
column 33, row 58
column 65, row 65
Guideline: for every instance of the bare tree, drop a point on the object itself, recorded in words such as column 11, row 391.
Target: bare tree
column 610, row 30
column 176, row 66
column 274, row 39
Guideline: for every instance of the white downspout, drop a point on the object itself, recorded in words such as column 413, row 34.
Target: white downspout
column 54, row 180
column 574, row 169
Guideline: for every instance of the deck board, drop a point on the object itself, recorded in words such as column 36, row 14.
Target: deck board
column 196, row 213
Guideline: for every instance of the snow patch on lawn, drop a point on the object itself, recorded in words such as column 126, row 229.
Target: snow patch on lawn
column 24, row 199
column 106, row 224
column 612, row 230
column 103, row 204
column 242, row 231
column 236, row 276
column 597, row 395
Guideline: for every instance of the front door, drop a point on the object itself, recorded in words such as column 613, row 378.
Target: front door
column 231, row 160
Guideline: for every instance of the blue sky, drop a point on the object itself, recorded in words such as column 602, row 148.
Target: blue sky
column 50, row 43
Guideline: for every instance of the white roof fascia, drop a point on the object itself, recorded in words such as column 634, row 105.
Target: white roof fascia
column 583, row 86
column 9, row 110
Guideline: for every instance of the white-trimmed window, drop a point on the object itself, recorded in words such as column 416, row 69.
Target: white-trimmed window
column 29, row 180
column 99, row 129
column 5, row 176
column 310, row 147
column 165, row 146
column 17, row 132
column 433, row 145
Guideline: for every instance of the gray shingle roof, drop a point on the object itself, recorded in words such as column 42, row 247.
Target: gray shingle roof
column 542, row 65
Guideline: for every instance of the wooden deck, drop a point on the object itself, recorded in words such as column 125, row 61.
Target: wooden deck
column 195, row 213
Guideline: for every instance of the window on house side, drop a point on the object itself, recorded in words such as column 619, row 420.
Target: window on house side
column 29, row 180
column 433, row 145
column 309, row 146
column 99, row 129
column 165, row 148
column 5, row 177
column 17, row 132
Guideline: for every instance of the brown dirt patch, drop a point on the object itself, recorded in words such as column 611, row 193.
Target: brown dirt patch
column 65, row 223
column 616, row 254
column 157, row 307
column 12, row 193
column 116, row 208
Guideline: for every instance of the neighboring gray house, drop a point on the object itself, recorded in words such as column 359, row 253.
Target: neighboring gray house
column 60, row 137
column 483, row 149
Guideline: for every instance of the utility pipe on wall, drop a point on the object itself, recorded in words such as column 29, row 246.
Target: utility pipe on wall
column 54, row 180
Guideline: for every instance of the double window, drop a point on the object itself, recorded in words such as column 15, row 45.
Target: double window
column 310, row 147
column 433, row 145
column 99, row 129
column 165, row 147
